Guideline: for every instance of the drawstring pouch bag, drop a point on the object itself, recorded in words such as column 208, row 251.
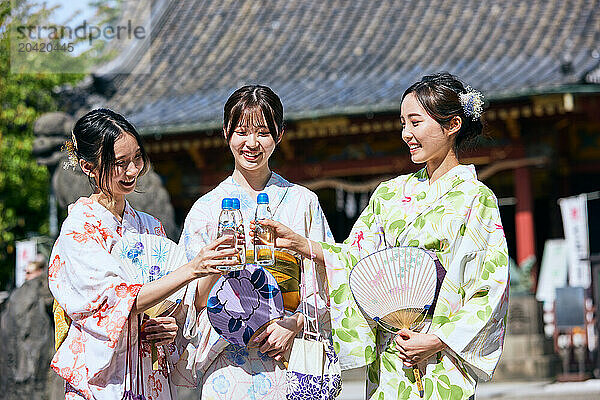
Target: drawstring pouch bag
column 313, row 371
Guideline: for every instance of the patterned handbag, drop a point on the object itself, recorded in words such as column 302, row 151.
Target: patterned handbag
column 313, row 371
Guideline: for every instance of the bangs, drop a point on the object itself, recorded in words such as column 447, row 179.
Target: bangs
column 252, row 113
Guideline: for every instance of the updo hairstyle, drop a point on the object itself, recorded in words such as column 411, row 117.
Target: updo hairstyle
column 439, row 94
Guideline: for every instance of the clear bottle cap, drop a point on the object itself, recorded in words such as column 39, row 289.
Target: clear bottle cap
column 235, row 203
column 262, row 198
column 227, row 204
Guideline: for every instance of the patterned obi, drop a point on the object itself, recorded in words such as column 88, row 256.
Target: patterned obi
column 62, row 322
column 287, row 273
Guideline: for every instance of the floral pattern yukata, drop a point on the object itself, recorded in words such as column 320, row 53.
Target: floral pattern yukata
column 233, row 372
column 92, row 287
column 457, row 217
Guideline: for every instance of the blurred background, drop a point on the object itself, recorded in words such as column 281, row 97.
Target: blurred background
column 340, row 69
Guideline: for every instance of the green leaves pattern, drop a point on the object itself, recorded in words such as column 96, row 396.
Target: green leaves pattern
column 386, row 375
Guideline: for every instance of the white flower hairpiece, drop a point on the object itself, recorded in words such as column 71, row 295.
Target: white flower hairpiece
column 70, row 147
column 472, row 103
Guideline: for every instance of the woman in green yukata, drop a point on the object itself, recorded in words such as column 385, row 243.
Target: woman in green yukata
column 442, row 208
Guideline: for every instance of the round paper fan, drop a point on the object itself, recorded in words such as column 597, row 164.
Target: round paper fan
column 397, row 286
column 242, row 302
column 149, row 257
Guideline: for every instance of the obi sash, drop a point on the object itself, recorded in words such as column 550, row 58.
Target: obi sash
column 287, row 273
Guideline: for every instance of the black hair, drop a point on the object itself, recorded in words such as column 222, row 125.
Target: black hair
column 252, row 97
column 95, row 135
column 439, row 96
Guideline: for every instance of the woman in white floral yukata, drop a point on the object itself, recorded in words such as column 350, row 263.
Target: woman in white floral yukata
column 253, row 126
column 97, row 302
column 443, row 208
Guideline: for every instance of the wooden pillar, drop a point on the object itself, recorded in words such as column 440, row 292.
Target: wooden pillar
column 524, row 227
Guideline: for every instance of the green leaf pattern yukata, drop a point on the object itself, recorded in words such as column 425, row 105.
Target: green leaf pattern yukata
column 457, row 217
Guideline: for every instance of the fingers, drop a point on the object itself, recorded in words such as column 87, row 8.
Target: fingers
column 270, row 223
column 222, row 253
column 162, row 320
column 258, row 339
column 266, row 346
column 219, row 241
column 160, row 330
column 405, row 333
column 215, row 263
column 209, row 260
column 161, row 339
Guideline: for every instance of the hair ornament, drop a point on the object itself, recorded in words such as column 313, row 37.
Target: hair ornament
column 74, row 140
column 70, row 147
column 472, row 103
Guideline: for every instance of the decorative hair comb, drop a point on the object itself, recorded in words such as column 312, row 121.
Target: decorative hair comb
column 472, row 103
column 70, row 147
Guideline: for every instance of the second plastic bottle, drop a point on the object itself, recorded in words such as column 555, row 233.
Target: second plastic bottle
column 264, row 237
column 241, row 235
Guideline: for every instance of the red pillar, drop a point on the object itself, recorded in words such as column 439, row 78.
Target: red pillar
column 524, row 215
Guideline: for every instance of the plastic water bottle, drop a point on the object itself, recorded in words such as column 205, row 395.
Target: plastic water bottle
column 227, row 226
column 241, row 235
column 264, row 237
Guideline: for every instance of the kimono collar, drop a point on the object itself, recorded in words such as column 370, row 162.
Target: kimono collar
column 130, row 221
column 276, row 188
column 454, row 177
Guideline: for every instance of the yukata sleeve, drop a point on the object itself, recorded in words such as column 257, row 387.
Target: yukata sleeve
column 204, row 343
column 97, row 294
column 353, row 334
column 470, row 316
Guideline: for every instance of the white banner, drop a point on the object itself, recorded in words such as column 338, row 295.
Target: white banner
column 26, row 252
column 575, row 225
column 553, row 271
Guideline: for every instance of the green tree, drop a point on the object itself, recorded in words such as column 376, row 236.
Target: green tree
column 23, row 98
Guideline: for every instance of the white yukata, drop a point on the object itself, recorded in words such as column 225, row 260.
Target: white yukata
column 226, row 371
column 93, row 288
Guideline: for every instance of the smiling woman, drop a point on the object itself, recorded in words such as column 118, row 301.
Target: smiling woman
column 253, row 126
column 99, row 301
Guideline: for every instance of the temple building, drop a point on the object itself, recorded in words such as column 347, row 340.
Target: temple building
column 340, row 69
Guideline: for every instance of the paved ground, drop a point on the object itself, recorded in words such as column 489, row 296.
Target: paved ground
column 354, row 389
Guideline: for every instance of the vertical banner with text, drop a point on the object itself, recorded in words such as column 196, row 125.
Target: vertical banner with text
column 575, row 225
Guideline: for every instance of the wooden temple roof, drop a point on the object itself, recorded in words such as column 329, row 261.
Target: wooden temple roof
column 337, row 57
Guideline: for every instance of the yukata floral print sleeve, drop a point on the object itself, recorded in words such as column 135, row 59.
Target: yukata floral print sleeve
column 97, row 295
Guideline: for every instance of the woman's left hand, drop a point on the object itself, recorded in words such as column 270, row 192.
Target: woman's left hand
column 160, row 330
column 414, row 347
column 277, row 339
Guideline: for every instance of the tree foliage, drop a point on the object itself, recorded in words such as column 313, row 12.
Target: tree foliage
column 24, row 185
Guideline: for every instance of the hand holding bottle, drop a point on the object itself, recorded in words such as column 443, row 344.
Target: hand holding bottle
column 285, row 238
column 212, row 258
